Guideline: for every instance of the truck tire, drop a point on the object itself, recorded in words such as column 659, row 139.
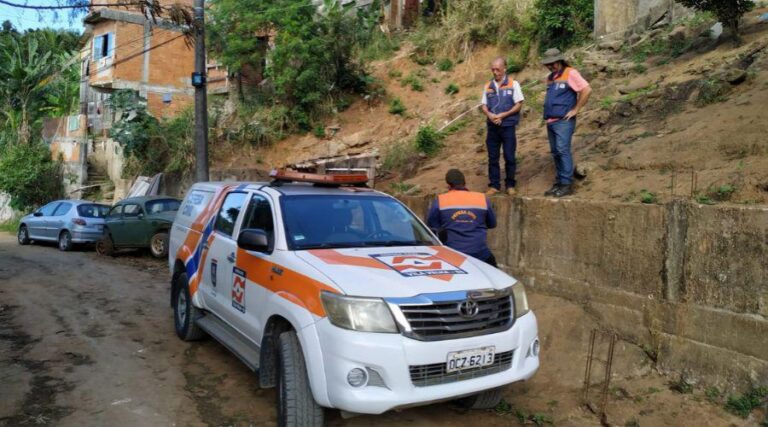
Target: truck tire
column 158, row 245
column 65, row 241
column 484, row 400
column 295, row 404
column 23, row 235
column 185, row 313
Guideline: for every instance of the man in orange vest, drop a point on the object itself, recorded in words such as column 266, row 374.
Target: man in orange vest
column 462, row 218
column 567, row 93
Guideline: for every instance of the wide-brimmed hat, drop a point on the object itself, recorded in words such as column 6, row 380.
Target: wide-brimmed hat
column 551, row 56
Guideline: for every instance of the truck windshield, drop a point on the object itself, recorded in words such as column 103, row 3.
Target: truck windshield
column 314, row 222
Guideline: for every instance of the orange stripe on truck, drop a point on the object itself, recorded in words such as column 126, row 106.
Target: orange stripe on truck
column 291, row 285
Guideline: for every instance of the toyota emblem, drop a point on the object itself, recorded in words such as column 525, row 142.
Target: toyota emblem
column 468, row 309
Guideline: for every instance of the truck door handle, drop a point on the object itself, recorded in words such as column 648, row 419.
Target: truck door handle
column 231, row 257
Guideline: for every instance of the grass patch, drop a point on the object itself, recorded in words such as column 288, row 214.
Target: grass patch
column 743, row 405
column 712, row 91
column 445, row 64
column 397, row 107
column 428, row 140
column 704, row 199
column 647, row 197
column 319, row 131
column 398, row 155
column 394, row 74
column 713, row 394
column 452, row 89
column 10, row 226
column 414, row 81
column 455, row 127
column 607, row 102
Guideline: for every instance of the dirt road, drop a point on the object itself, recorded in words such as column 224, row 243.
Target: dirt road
column 87, row 340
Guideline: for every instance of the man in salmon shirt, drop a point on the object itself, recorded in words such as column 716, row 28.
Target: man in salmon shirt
column 461, row 218
column 567, row 93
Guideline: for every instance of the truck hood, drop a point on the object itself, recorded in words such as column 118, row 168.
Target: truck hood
column 391, row 272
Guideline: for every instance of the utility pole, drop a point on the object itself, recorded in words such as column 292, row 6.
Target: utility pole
column 201, row 97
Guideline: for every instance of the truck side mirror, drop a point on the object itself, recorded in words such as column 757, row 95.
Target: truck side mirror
column 253, row 239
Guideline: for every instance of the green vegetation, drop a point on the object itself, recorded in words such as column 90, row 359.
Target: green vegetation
column 452, row 89
column 151, row 145
column 316, row 58
column 742, row 405
column 414, row 81
column 29, row 175
column 428, row 140
column 10, row 226
column 563, row 23
column 712, row 394
column 445, row 64
column 712, row 91
column 404, row 188
column 728, row 12
column 398, row 155
column 319, row 131
column 647, row 197
column 394, row 74
column 396, row 107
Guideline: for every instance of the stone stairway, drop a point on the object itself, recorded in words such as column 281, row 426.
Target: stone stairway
column 99, row 187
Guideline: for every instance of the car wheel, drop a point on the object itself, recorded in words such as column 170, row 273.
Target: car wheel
column 23, row 235
column 185, row 313
column 158, row 245
column 65, row 241
column 105, row 246
column 488, row 399
column 295, row 404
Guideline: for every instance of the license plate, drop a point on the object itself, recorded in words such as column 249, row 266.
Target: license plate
column 470, row 359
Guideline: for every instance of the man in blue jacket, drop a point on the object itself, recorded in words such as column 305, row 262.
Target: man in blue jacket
column 502, row 101
column 462, row 218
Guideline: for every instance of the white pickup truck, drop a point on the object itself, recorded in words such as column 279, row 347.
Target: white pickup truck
column 342, row 298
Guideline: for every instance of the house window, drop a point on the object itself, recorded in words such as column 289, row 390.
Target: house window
column 166, row 98
column 103, row 46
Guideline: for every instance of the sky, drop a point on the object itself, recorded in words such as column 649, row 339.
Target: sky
column 25, row 19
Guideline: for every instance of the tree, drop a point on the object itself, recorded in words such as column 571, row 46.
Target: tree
column 29, row 175
column 729, row 12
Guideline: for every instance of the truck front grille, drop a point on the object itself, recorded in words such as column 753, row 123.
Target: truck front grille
column 443, row 320
column 434, row 374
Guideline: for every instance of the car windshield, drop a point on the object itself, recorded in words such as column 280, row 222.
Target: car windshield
column 314, row 222
column 92, row 211
column 162, row 205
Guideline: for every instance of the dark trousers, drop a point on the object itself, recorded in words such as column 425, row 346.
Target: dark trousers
column 491, row 260
column 499, row 138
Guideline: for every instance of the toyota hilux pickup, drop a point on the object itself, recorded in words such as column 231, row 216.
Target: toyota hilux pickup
column 343, row 299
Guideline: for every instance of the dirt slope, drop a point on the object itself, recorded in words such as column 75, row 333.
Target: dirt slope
column 643, row 129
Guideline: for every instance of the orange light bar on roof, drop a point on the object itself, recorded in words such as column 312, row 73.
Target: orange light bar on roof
column 316, row 178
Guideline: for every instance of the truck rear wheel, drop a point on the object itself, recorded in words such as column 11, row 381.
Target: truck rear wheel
column 488, row 399
column 295, row 404
column 185, row 313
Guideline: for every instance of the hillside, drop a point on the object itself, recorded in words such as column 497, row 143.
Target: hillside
column 672, row 112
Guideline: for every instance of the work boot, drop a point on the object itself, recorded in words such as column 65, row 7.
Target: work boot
column 511, row 191
column 491, row 191
column 552, row 190
column 563, row 190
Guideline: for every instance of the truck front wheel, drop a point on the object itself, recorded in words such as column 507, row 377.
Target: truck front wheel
column 185, row 313
column 295, row 404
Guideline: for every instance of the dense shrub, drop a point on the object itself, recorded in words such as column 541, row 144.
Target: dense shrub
column 563, row 23
column 29, row 175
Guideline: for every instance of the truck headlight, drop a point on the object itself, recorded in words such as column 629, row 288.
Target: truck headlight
column 521, row 301
column 358, row 314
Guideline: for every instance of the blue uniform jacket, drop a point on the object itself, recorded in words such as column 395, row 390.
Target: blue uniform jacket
column 462, row 218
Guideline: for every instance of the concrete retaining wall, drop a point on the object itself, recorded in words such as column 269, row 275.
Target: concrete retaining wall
column 687, row 282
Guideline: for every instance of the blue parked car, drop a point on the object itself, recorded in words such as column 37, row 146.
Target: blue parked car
column 64, row 221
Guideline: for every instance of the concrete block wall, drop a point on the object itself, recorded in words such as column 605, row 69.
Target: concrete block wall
column 689, row 283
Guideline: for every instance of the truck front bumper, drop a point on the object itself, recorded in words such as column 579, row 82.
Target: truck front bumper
column 403, row 372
